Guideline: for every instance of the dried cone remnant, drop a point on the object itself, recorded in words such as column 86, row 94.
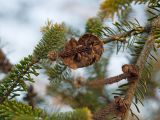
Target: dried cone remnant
column 84, row 52
column 118, row 108
column 132, row 70
column 5, row 65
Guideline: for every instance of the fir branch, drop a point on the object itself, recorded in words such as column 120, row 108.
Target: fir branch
column 132, row 80
column 141, row 65
column 122, row 36
column 57, row 71
column 15, row 80
column 54, row 38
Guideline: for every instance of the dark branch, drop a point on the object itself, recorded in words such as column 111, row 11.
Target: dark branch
column 5, row 65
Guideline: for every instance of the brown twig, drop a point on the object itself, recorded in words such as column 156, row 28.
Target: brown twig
column 141, row 64
column 119, row 106
column 110, row 80
column 129, row 72
column 30, row 96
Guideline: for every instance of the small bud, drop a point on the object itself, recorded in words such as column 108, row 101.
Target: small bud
column 125, row 68
column 52, row 55
column 130, row 69
column 79, row 82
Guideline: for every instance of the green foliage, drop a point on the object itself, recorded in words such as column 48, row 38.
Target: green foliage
column 154, row 9
column 80, row 97
column 54, row 38
column 156, row 32
column 84, row 99
column 15, row 81
column 148, row 82
column 57, row 71
column 12, row 110
column 125, row 34
column 110, row 7
column 79, row 114
column 94, row 26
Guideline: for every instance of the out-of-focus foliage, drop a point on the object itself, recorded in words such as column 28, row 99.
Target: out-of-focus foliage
column 56, row 71
column 12, row 110
column 94, row 26
column 79, row 114
column 110, row 7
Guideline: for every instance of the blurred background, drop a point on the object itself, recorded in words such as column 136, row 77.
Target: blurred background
column 20, row 24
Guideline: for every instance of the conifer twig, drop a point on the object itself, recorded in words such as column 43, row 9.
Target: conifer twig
column 122, row 36
column 133, row 77
column 136, row 71
column 141, row 64
column 16, row 81
column 129, row 72
column 110, row 80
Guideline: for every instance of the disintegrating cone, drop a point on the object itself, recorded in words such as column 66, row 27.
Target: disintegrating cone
column 87, row 50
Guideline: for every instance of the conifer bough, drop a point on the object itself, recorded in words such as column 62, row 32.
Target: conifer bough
column 76, row 54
